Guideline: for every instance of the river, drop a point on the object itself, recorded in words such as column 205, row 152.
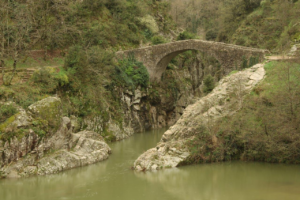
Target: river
column 113, row 180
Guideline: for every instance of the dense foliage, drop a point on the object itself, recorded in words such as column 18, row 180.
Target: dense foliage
column 270, row 24
column 209, row 83
column 131, row 73
column 265, row 129
column 6, row 111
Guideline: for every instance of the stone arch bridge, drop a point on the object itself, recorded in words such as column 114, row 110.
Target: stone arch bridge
column 156, row 58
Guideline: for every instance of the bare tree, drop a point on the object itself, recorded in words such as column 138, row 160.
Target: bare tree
column 15, row 29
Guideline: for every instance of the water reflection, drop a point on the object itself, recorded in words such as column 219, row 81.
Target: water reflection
column 113, row 179
column 229, row 181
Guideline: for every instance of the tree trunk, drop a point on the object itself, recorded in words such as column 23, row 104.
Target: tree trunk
column 14, row 72
column 2, row 67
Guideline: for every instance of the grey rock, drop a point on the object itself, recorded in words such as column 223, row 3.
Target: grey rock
column 60, row 150
column 48, row 109
column 173, row 147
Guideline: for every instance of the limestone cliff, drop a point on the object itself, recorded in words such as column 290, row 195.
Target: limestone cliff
column 224, row 100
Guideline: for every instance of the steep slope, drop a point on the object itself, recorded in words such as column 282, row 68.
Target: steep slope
column 198, row 120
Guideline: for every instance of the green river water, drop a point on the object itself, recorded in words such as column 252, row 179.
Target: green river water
column 113, row 180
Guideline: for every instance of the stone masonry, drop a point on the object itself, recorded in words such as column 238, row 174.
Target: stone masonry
column 156, row 58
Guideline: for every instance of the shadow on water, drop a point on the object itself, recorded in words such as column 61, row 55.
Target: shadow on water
column 113, row 179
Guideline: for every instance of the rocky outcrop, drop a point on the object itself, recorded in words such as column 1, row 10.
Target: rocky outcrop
column 47, row 143
column 224, row 100
column 159, row 105
column 111, row 130
column 87, row 148
column 153, row 108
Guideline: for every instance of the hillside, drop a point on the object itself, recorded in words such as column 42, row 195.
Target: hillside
column 267, row 24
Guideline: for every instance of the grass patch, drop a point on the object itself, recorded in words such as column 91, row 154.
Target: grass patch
column 6, row 111
column 233, row 72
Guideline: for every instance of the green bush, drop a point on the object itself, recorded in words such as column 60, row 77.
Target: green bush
column 93, row 5
column 244, row 63
column 147, row 33
column 185, row 36
column 88, row 72
column 252, row 61
column 209, row 84
column 45, row 80
column 211, row 35
column 88, row 66
column 6, row 111
column 74, row 58
column 157, row 40
column 50, row 79
column 131, row 73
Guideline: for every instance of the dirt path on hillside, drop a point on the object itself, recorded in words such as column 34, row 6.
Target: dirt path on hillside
column 281, row 57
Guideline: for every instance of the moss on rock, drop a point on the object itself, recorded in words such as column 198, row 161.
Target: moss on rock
column 50, row 110
column 5, row 124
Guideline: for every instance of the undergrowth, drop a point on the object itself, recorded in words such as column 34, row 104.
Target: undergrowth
column 253, row 134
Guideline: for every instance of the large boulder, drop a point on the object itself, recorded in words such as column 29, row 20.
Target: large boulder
column 82, row 149
column 49, row 111
column 88, row 147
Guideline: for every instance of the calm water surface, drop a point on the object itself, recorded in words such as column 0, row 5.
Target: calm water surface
column 113, row 179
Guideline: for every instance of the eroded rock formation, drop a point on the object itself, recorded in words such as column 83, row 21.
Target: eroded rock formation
column 224, row 100
column 47, row 143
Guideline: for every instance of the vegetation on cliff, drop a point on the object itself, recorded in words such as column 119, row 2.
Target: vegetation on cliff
column 266, row 128
column 85, row 34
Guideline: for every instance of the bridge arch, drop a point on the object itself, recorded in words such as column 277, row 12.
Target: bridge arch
column 162, row 63
column 156, row 58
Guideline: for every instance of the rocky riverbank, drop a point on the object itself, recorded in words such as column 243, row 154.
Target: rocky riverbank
column 41, row 141
column 226, row 99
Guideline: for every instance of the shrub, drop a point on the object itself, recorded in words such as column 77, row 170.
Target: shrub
column 6, row 111
column 211, row 35
column 157, row 40
column 209, row 84
column 45, row 79
column 244, row 63
column 149, row 22
column 93, row 5
column 185, row 36
column 252, row 61
column 50, row 79
column 75, row 58
column 131, row 73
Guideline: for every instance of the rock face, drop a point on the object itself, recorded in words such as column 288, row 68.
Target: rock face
column 88, row 147
column 160, row 104
column 224, row 100
column 49, row 110
column 114, row 129
column 30, row 153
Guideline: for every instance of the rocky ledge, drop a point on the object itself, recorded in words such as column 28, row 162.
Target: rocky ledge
column 224, row 100
column 39, row 141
